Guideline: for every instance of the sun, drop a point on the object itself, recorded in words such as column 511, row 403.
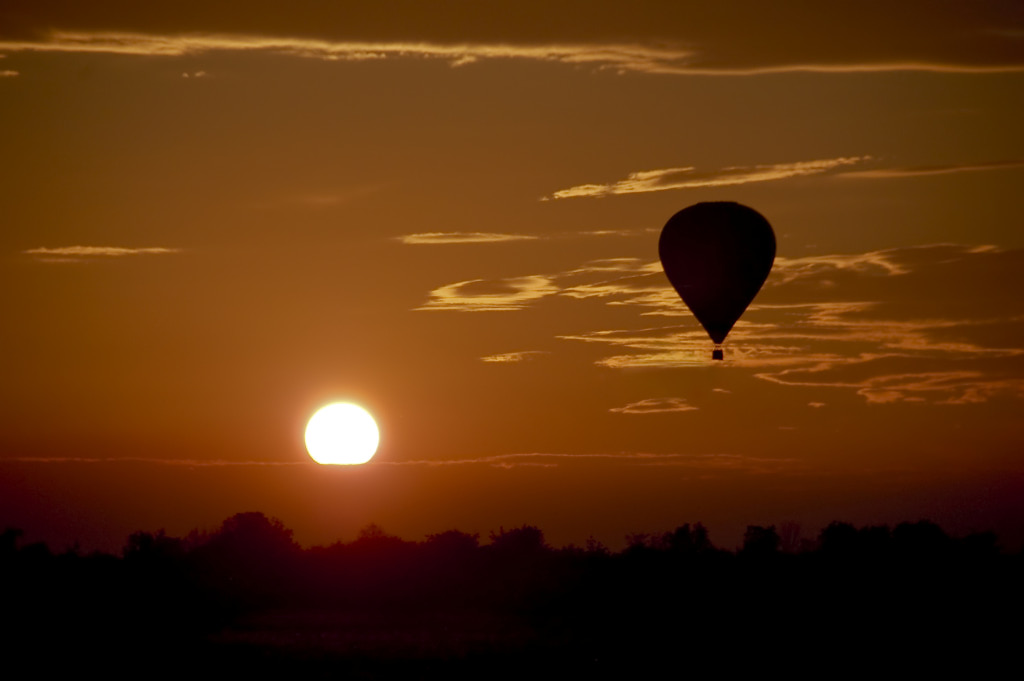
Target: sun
column 342, row 433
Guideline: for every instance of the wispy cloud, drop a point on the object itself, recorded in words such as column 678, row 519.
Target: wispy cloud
column 704, row 462
column 597, row 278
column 787, row 270
column 429, row 238
column 940, row 322
column 9, row 73
column 670, row 39
column 80, row 253
column 918, row 171
column 448, row 238
column 620, row 57
column 477, row 295
column 188, row 463
column 513, row 357
column 655, row 405
column 666, row 179
column 101, row 251
column 617, row 232
column 940, row 387
column 710, row 462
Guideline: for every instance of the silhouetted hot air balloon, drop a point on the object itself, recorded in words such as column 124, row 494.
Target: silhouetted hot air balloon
column 717, row 255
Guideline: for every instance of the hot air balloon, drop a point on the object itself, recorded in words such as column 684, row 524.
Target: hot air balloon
column 717, row 255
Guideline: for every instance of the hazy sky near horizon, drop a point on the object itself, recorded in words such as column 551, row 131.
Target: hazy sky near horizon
column 218, row 217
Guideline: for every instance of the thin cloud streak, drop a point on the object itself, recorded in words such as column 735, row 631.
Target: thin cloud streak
column 710, row 462
column 98, row 251
column 432, row 238
column 923, row 171
column 615, row 56
column 655, row 405
column 617, row 232
column 666, row 179
column 449, row 238
column 514, row 357
column 215, row 463
column 533, row 459
column 939, row 387
column 621, row 57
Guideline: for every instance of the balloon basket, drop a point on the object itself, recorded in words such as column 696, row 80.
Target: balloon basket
column 717, row 353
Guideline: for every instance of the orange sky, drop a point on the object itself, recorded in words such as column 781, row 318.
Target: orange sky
column 216, row 219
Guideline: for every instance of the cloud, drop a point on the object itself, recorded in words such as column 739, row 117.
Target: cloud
column 80, row 253
column 513, row 357
column 687, row 178
column 619, row 57
column 446, row 238
column 737, row 38
column 652, row 348
column 787, row 270
column 637, row 283
column 655, row 405
column 940, row 323
column 618, row 232
column 939, row 387
column 477, row 295
column 709, row 463
column 517, row 293
column 918, row 171
column 706, row 463
column 190, row 463
column 463, row 238
column 101, row 251
column 8, row 73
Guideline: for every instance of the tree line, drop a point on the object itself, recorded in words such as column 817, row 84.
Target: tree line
column 248, row 591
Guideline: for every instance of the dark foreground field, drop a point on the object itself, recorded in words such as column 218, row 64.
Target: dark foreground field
column 247, row 599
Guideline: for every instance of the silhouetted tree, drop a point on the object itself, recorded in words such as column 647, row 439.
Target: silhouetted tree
column 153, row 548
column 838, row 539
column 252, row 559
column 687, row 540
column 453, row 543
column 520, row 541
column 921, row 540
column 760, row 541
column 874, row 541
column 789, row 534
column 9, row 542
column 980, row 545
column 593, row 547
column 254, row 533
column 514, row 598
column 640, row 542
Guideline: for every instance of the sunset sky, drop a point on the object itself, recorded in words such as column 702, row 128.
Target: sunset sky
column 216, row 217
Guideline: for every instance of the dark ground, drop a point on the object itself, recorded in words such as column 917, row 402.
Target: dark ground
column 247, row 599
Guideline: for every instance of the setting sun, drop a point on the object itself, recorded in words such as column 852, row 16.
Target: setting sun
column 342, row 433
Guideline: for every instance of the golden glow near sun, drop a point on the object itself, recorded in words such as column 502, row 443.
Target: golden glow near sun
column 342, row 433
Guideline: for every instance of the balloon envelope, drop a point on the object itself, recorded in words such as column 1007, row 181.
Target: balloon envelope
column 717, row 255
